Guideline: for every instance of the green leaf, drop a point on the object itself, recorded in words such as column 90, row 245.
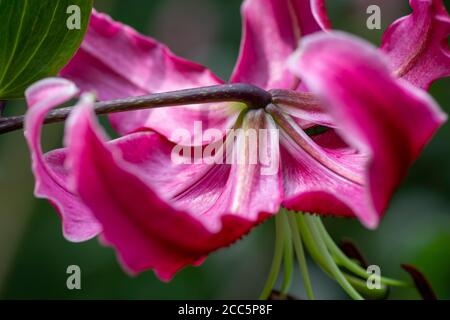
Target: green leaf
column 35, row 41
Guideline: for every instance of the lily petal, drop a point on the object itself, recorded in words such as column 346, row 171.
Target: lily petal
column 271, row 30
column 319, row 11
column 117, row 62
column 423, row 55
column 129, row 186
column 49, row 170
column 321, row 174
column 384, row 118
column 303, row 107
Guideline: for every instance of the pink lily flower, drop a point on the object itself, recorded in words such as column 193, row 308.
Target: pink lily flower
column 163, row 216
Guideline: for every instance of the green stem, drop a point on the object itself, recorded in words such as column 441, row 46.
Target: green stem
column 310, row 223
column 303, row 266
column 347, row 263
column 276, row 262
column 288, row 255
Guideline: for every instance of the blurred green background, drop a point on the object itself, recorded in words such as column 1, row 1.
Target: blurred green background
column 34, row 256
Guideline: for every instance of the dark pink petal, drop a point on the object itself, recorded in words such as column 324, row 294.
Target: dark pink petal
column 158, row 214
column 116, row 62
column 321, row 174
column 313, row 187
column 319, row 11
column 49, row 171
column 417, row 45
column 385, row 119
column 271, row 30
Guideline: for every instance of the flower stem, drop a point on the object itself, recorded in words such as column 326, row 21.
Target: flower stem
column 277, row 257
column 300, row 253
column 252, row 96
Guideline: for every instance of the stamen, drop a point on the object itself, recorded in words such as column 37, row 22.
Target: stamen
column 307, row 224
column 277, row 258
column 300, row 253
column 288, row 260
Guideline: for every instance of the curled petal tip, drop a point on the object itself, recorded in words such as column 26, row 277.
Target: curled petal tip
column 422, row 56
column 52, row 181
column 370, row 222
column 46, row 88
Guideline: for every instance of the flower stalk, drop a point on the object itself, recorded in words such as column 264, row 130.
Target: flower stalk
column 253, row 96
